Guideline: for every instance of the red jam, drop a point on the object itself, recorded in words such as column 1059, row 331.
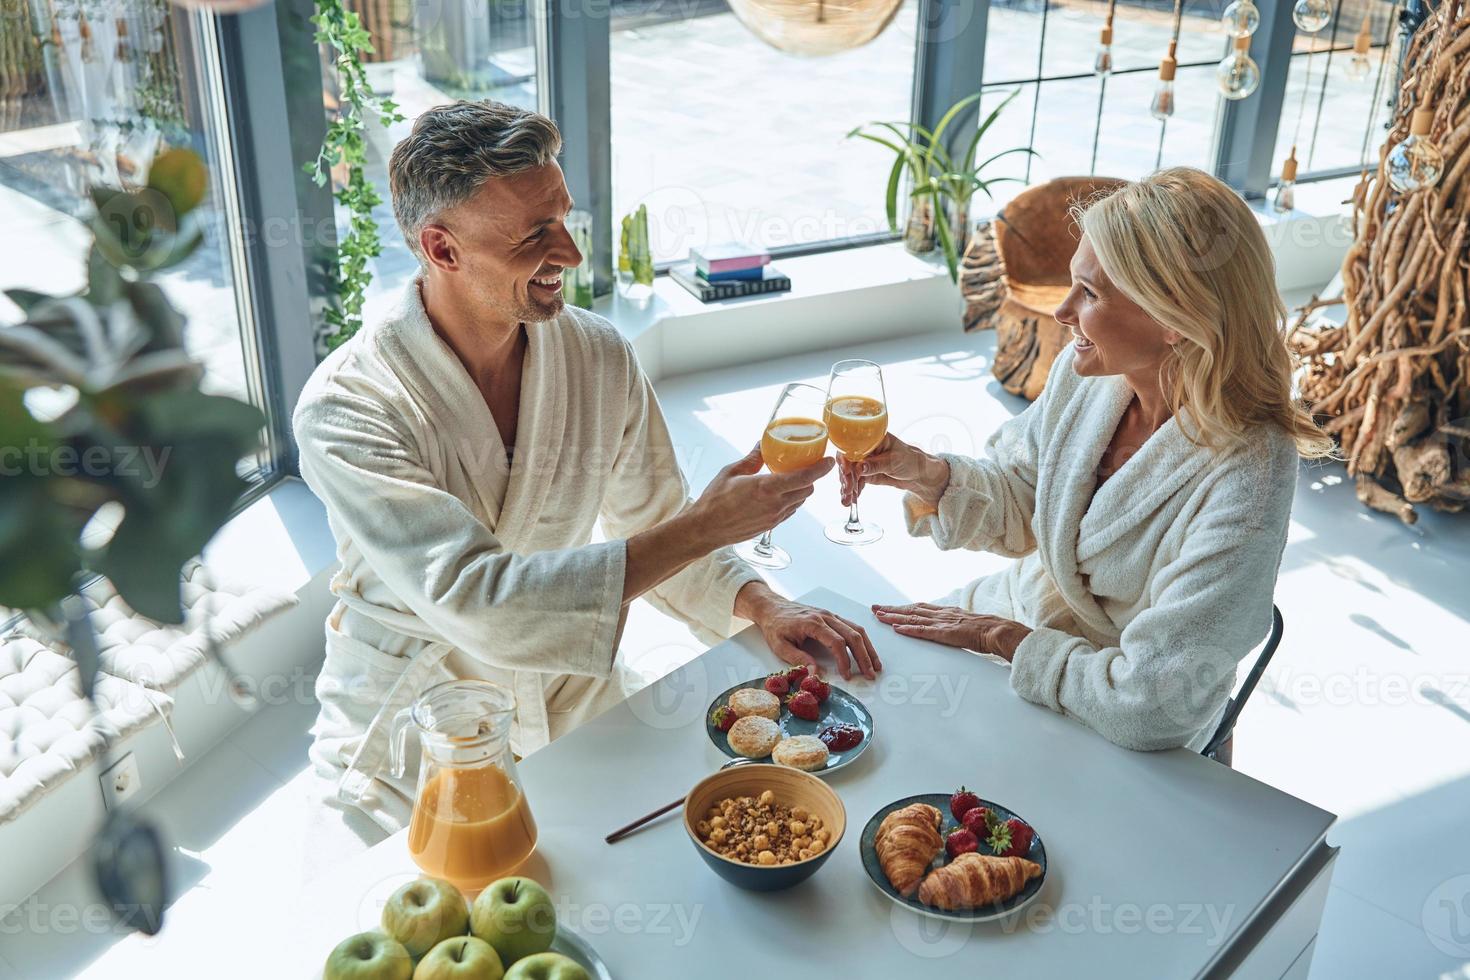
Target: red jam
column 840, row 738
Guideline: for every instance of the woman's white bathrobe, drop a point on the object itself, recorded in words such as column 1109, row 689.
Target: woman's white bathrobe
column 454, row 565
column 1142, row 599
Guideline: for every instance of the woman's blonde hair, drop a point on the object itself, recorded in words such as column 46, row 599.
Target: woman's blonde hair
column 1190, row 252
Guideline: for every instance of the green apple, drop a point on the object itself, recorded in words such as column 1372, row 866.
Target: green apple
column 460, row 958
column 547, row 966
column 515, row 915
column 425, row 912
column 368, row 956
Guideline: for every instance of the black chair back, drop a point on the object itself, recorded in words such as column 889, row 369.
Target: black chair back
column 1227, row 723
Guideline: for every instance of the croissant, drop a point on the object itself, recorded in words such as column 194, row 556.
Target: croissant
column 906, row 842
column 972, row 880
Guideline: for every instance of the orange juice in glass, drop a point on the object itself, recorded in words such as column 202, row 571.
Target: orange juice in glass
column 856, row 413
column 795, row 437
column 471, row 824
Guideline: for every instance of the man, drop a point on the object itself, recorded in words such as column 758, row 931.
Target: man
column 464, row 448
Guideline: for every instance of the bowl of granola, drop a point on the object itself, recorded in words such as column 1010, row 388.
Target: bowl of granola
column 764, row 827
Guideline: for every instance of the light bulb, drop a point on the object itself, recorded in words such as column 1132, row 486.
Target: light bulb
column 1241, row 18
column 1312, row 15
column 1359, row 67
column 1286, row 188
column 1285, row 196
column 1417, row 162
column 1237, row 75
column 1102, row 67
column 1162, row 106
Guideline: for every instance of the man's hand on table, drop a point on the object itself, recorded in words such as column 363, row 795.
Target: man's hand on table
column 786, row 625
column 955, row 627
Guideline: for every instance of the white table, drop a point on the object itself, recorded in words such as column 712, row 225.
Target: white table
column 1161, row 865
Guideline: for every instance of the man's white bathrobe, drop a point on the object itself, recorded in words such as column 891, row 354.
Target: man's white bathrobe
column 1143, row 598
column 456, row 565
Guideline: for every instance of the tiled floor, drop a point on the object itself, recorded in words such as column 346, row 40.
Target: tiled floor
column 1374, row 611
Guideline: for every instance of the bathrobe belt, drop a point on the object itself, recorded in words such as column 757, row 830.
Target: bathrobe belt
column 373, row 754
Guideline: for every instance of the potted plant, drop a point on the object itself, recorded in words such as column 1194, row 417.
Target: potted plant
column 90, row 384
column 942, row 181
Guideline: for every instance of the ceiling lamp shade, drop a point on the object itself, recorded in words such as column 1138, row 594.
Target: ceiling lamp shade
column 815, row 27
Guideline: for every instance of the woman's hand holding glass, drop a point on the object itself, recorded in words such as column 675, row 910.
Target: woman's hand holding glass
column 895, row 463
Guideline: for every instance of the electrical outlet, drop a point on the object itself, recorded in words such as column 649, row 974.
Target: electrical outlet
column 121, row 781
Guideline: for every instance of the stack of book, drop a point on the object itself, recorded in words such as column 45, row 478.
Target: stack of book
column 727, row 271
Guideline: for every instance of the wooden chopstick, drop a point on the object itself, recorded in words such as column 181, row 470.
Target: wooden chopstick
column 622, row 832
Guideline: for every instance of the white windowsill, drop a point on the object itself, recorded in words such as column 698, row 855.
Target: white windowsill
column 881, row 292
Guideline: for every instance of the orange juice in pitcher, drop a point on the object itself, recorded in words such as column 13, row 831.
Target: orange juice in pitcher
column 471, row 824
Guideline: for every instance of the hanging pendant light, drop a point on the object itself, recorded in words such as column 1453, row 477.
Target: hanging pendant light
column 1286, row 190
column 1238, row 75
column 1417, row 162
column 1312, row 15
column 1241, row 18
column 1359, row 67
column 1162, row 106
column 813, row 28
column 1102, row 66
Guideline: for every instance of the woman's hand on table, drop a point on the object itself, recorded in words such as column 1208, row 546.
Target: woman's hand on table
column 955, row 627
column 895, row 464
column 786, row 625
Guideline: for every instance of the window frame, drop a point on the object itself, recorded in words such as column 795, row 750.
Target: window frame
column 282, row 79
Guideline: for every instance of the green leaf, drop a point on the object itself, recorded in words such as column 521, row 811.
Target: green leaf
column 890, row 198
column 26, row 298
column 983, row 127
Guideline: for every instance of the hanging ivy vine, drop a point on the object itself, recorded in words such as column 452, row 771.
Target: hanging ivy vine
column 345, row 144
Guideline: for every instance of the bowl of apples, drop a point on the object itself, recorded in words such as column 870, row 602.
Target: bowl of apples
column 429, row 932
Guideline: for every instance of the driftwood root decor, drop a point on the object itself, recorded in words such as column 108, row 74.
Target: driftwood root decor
column 1392, row 383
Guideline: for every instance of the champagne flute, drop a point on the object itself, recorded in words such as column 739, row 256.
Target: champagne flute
column 795, row 437
column 856, row 414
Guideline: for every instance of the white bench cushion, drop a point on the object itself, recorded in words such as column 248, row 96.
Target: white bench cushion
column 144, row 652
column 48, row 731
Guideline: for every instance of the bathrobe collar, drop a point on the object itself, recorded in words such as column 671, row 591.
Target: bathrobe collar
column 1082, row 525
column 511, row 502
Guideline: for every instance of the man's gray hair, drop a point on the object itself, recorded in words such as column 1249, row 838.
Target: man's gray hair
column 455, row 148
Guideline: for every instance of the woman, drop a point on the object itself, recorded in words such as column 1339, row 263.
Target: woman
column 1146, row 493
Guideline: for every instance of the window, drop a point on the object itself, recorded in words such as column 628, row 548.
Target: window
column 1079, row 124
column 94, row 99
column 725, row 137
column 1336, row 119
column 427, row 53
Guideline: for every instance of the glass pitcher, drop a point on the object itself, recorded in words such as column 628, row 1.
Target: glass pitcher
column 471, row 824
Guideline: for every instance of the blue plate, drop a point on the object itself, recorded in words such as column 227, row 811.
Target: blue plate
column 840, row 707
column 940, row 801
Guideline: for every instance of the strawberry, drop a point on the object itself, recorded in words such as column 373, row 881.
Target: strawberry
column 960, row 842
column 1012, row 838
column 961, row 802
column 803, row 704
column 778, row 684
column 723, row 718
column 817, row 688
column 795, row 675
column 978, row 820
